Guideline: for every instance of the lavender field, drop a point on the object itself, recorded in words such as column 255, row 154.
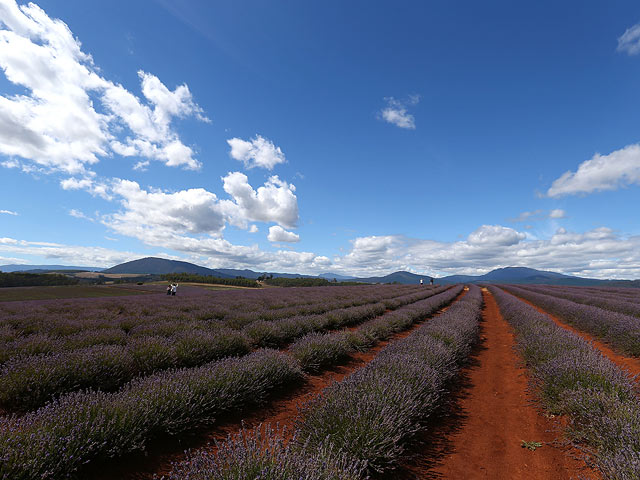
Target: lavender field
column 87, row 384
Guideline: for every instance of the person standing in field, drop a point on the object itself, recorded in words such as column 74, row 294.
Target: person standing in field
column 420, row 281
column 431, row 281
column 169, row 288
column 174, row 289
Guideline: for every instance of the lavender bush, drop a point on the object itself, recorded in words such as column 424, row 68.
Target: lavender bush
column 260, row 454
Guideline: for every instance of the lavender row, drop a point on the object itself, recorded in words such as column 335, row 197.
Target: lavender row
column 621, row 331
column 117, row 331
column 575, row 379
column 360, row 425
column 371, row 414
column 315, row 351
column 56, row 440
column 607, row 302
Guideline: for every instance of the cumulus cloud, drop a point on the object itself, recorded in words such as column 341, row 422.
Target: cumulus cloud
column 55, row 123
column 495, row 235
column 602, row 172
column 629, row 41
column 275, row 201
column 396, row 112
column 8, row 212
column 279, row 234
column 157, row 213
column 152, row 215
column 258, row 152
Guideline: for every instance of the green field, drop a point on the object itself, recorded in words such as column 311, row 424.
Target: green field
column 67, row 291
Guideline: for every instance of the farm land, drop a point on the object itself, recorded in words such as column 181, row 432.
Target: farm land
column 351, row 382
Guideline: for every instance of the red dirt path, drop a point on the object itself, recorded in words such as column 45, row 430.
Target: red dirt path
column 490, row 415
column 280, row 412
column 631, row 364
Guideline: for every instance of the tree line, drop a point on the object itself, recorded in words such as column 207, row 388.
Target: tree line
column 194, row 278
column 20, row 279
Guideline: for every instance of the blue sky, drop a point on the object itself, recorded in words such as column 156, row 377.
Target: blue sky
column 350, row 137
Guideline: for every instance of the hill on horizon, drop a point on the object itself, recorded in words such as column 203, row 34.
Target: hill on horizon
column 161, row 266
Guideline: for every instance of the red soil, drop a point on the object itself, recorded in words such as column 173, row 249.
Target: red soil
column 631, row 364
column 281, row 412
column 489, row 416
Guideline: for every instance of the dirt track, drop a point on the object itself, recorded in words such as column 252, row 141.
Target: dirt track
column 491, row 414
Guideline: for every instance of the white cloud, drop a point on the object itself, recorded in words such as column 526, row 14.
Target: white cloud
column 602, row 172
column 69, row 254
column 629, row 41
column 8, row 212
column 495, row 235
column 275, row 201
column 539, row 215
column 557, row 213
column 55, row 124
column 159, row 214
column 253, row 229
column 95, row 188
column 396, row 112
column 259, row 152
column 78, row 214
column 279, row 234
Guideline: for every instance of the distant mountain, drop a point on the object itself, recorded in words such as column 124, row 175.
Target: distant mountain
column 398, row 277
column 523, row 275
column 160, row 266
column 44, row 268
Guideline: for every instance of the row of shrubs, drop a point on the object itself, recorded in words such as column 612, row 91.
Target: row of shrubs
column 359, row 426
column 27, row 382
column 21, row 279
column 57, row 439
column 575, row 379
column 192, row 277
column 614, row 302
column 621, row 331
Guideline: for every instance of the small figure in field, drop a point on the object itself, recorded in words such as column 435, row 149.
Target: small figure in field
column 169, row 289
column 431, row 281
column 420, row 281
column 174, row 289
